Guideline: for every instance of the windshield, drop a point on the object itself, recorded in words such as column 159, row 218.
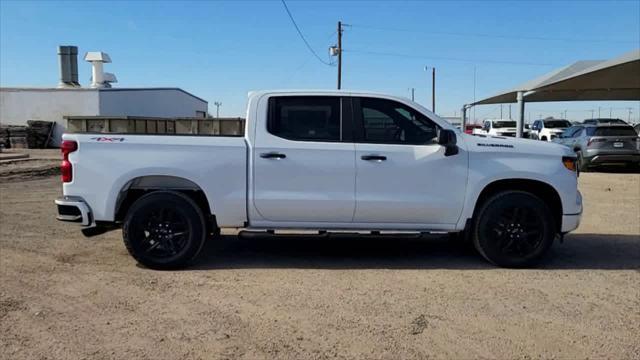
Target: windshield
column 503, row 124
column 551, row 124
column 611, row 131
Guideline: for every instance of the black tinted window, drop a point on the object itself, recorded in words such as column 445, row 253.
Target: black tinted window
column 571, row 132
column 556, row 124
column 386, row 121
column 611, row 131
column 504, row 124
column 310, row 118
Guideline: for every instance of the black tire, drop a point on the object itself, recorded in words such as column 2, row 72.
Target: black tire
column 164, row 230
column 513, row 229
column 544, row 138
column 583, row 165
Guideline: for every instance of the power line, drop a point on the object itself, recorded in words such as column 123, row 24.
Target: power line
column 302, row 36
column 380, row 53
column 499, row 36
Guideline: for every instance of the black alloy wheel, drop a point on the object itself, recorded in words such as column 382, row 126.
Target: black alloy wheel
column 514, row 229
column 164, row 230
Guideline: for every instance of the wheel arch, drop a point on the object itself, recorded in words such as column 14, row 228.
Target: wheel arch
column 135, row 188
column 546, row 192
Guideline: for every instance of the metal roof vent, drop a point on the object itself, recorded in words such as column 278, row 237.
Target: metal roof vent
column 99, row 79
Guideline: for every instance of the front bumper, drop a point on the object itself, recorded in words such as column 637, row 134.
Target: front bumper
column 74, row 209
column 571, row 222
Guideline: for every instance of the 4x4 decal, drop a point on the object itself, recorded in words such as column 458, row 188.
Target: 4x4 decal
column 108, row 139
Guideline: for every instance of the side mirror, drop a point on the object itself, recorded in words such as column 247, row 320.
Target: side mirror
column 448, row 139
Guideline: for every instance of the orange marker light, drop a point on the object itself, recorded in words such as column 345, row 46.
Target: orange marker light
column 569, row 162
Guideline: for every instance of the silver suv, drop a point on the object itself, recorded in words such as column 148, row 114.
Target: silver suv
column 603, row 145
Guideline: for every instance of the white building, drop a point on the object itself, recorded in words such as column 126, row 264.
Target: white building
column 17, row 105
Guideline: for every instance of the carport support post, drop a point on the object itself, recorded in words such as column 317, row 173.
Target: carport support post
column 463, row 116
column 520, row 124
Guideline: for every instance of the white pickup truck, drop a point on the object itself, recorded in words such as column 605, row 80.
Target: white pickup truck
column 499, row 127
column 323, row 161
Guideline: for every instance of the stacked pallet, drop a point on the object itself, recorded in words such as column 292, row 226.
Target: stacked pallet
column 13, row 136
column 4, row 137
column 34, row 136
column 39, row 133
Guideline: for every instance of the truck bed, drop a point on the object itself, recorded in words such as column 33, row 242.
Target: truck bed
column 215, row 164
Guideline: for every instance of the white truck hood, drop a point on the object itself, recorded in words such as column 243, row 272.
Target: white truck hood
column 504, row 144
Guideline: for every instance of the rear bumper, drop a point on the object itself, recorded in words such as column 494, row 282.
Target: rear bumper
column 604, row 157
column 74, row 209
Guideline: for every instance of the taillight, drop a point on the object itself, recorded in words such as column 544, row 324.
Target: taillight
column 592, row 140
column 66, row 169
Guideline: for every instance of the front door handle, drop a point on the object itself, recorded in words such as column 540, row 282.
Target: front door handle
column 273, row 155
column 373, row 157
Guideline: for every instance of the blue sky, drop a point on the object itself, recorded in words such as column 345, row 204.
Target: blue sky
column 220, row 50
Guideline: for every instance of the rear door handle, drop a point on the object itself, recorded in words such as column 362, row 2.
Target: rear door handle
column 273, row 155
column 373, row 157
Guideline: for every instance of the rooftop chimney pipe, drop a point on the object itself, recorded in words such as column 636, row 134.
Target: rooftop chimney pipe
column 65, row 69
column 73, row 62
column 68, row 60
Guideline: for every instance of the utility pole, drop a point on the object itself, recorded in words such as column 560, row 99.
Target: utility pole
column 217, row 104
column 592, row 111
column 433, row 90
column 610, row 112
column 598, row 111
column 509, row 111
column 500, row 111
column 433, row 87
column 339, row 55
column 629, row 118
column 413, row 94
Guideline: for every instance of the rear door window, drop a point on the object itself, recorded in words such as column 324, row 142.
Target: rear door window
column 305, row 118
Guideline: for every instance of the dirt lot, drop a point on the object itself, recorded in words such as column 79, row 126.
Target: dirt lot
column 65, row 297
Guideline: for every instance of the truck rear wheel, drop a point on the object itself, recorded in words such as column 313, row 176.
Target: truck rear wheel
column 514, row 229
column 164, row 230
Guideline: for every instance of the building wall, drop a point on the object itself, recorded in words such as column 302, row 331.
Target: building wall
column 19, row 105
column 149, row 102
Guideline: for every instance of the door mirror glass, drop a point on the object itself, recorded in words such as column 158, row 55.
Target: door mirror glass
column 448, row 139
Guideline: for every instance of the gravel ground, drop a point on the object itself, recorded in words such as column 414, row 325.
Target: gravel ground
column 39, row 163
column 66, row 297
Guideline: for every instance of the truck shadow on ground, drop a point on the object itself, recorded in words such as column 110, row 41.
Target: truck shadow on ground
column 579, row 251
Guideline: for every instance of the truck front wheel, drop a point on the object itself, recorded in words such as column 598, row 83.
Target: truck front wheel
column 164, row 230
column 514, row 229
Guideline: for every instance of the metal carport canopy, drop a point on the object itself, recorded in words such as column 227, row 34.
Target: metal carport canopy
column 615, row 79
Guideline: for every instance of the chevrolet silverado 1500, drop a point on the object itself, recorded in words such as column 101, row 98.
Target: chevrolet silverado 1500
column 323, row 161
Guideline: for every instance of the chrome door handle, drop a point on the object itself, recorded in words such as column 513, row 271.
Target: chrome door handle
column 373, row 157
column 273, row 155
